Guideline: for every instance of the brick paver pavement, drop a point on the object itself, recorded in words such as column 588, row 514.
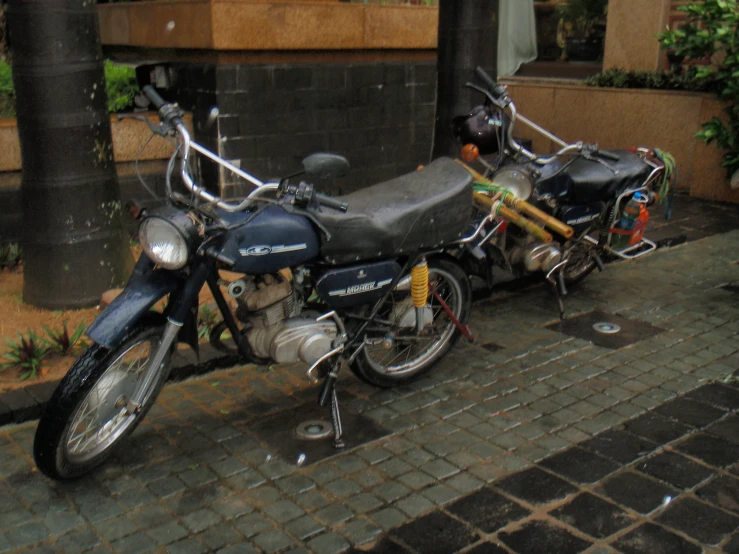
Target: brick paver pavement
column 195, row 479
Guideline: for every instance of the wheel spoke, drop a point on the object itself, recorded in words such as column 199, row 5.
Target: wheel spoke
column 103, row 416
column 414, row 349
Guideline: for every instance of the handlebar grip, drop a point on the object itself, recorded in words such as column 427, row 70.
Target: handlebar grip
column 330, row 202
column 485, row 78
column 497, row 90
column 153, row 96
column 607, row 155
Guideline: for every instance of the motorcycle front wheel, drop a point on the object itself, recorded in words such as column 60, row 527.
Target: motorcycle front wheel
column 399, row 354
column 88, row 415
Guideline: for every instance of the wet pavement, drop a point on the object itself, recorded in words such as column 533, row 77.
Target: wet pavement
column 663, row 482
column 528, row 440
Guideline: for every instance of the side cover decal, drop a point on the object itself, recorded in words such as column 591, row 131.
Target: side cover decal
column 364, row 287
column 263, row 249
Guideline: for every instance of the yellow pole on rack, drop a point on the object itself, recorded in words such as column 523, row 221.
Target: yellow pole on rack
column 517, row 204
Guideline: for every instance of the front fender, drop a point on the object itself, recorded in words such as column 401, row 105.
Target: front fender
column 145, row 287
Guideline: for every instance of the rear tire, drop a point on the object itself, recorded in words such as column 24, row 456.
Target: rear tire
column 96, row 386
column 454, row 286
column 582, row 264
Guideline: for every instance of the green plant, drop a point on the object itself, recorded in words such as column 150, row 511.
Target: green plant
column 709, row 42
column 27, row 354
column 10, row 255
column 659, row 80
column 60, row 341
column 7, row 91
column 207, row 318
column 120, row 81
column 586, row 17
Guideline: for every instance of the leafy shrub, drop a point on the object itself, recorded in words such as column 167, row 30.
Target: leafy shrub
column 7, row 91
column 27, row 354
column 711, row 34
column 658, row 80
column 61, row 342
column 120, row 81
column 10, row 255
column 207, row 319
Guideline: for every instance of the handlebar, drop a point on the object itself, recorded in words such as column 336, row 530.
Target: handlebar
column 485, row 78
column 171, row 116
column 330, row 202
column 589, row 150
column 497, row 90
column 498, row 95
column 153, row 97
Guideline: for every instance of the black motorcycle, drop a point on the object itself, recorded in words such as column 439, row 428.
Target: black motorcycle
column 372, row 280
column 578, row 193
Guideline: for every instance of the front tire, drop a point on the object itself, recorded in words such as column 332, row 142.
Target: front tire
column 413, row 355
column 86, row 417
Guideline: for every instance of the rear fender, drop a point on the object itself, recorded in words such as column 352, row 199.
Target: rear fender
column 145, row 287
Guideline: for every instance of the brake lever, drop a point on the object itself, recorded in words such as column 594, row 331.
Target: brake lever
column 501, row 104
column 163, row 129
column 587, row 153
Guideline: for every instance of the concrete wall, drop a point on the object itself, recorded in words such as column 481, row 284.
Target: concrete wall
column 623, row 118
column 378, row 114
column 129, row 136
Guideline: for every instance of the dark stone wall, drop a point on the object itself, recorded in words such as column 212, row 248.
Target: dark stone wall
column 378, row 114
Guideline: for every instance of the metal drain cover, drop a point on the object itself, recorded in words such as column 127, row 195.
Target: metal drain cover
column 606, row 328
column 314, row 429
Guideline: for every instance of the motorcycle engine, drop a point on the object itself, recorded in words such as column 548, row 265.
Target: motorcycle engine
column 269, row 308
column 536, row 256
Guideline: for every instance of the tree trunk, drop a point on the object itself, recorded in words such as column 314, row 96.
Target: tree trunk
column 74, row 247
column 468, row 37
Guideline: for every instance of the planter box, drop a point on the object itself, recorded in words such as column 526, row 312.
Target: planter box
column 128, row 138
column 622, row 118
column 267, row 25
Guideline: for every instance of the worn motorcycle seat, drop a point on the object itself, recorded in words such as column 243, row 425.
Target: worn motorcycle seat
column 586, row 181
column 423, row 209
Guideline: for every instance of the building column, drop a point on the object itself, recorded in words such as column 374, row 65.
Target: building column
column 630, row 36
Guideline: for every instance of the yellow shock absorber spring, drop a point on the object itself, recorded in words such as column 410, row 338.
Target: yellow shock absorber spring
column 420, row 284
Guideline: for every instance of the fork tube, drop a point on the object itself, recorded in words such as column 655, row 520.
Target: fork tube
column 154, row 364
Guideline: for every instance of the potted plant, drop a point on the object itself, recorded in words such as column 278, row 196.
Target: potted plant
column 584, row 23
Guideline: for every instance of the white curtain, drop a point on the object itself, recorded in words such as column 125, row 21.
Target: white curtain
column 516, row 35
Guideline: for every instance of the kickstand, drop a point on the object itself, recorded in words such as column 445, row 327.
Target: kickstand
column 328, row 396
column 560, row 302
column 558, row 284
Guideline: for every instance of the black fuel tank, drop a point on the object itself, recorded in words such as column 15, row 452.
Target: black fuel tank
column 356, row 285
column 270, row 241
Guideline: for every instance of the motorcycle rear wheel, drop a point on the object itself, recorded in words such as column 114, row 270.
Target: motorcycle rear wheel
column 86, row 417
column 582, row 263
column 413, row 355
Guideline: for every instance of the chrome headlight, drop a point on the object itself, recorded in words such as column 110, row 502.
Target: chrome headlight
column 167, row 237
column 516, row 180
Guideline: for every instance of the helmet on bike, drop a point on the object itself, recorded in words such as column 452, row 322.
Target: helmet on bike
column 484, row 127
